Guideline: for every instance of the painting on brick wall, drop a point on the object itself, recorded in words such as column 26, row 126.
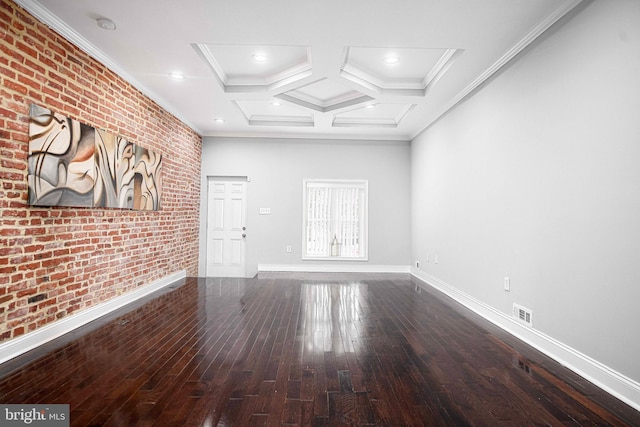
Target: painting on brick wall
column 73, row 164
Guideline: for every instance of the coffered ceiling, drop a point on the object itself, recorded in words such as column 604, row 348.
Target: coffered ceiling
column 343, row 69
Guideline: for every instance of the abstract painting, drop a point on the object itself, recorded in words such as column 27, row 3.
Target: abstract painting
column 115, row 164
column 61, row 160
column 147, row 180
column 73, row 164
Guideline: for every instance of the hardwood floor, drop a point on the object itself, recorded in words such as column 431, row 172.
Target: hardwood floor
column 303, row 349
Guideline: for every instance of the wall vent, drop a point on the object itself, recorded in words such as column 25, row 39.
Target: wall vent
column 523, row 315
column 36, row 298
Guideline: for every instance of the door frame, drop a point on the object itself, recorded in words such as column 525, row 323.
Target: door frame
column 226, row 178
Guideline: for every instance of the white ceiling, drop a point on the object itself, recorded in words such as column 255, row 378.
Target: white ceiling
column 324, row 75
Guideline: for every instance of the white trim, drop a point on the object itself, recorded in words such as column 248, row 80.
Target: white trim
column 330, row 258
column 333, row 268
column 52, row 21
column 564, row 8
column 24, row 343
column 611, row 381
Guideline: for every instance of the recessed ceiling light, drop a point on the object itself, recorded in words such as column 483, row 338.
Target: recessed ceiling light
column 219, row 121
column 106, row 24
column 259, row 57
column 391, row 59
column 177, row 76
column 370, row 106
column 275, row 103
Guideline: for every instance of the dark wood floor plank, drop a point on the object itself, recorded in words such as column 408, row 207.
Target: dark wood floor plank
column 321, row 384
column 303, row 349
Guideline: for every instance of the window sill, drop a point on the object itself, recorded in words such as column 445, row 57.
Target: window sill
column 334, row 258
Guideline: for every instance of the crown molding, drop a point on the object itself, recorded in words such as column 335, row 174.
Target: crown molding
column 389, row 122
column 441, row 67
column 320, row 106
column 254, row 83
column 56, row 24
column 566, row 7
column 298, row 121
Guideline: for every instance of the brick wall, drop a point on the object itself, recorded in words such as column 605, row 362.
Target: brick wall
column 81, row 257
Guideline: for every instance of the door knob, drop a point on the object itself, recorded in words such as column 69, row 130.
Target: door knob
column 244, row 235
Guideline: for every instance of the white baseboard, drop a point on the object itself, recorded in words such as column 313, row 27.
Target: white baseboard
column 609, row 380
column 335, row 268
column 17, row 346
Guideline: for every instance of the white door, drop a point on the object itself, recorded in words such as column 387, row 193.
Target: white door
column 226, row 230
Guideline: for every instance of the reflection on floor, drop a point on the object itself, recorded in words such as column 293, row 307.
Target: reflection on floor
column 303, row 349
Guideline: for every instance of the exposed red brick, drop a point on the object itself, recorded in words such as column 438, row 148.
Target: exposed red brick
column 26, row 49
column 26, row 292
column 81, row 257
column 29, row 83
column 6, row 71
column 8, row 113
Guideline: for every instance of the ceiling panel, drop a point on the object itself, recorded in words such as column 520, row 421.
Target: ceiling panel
column 373, row 115
column 324, row 60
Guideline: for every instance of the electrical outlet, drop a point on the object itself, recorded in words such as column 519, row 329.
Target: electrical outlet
column 288, row 249
column 436, row 259
column 417, row 264
column 507, row 284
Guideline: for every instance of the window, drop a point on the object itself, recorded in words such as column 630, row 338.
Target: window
column 335, row 219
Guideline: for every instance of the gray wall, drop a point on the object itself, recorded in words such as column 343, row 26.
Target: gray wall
column 277, row 168
column 537, row 177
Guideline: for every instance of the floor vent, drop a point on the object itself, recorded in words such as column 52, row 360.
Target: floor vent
column 524, row 315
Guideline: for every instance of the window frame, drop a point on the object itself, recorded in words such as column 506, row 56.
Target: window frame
column 363, row 186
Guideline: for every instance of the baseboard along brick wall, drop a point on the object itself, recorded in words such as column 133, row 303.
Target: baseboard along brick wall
column 59, row 261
